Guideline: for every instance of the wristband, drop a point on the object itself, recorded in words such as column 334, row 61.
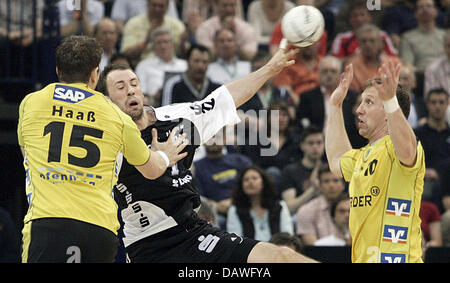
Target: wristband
column 391, row 105
column 164, row 156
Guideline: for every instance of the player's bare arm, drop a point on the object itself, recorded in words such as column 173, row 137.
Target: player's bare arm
column 401, row 133
column 336, row 139
column 243, row 89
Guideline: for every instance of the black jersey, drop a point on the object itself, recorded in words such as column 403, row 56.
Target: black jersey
column 148, row 206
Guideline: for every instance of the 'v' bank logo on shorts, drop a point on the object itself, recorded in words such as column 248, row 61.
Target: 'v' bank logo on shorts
column 70, row 94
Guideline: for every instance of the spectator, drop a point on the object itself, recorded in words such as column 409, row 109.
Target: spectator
column 445, row 228
column 400, row 18
column 278, row 145
column 19, row 18
column 217, row 173
column 151, row 71
column 268, row 93
column 9, row 239
column 187, row 39
column 431, row 224
column 371, row 57
column 136, row 39
column 287, row 240
column 420, row 46
column 256, row 211
column 123, row 10
column 300, row 179
column 193, row 84
column 301, row 76
column 339, row 212
column 313, row 219
column 434, row 137
column 246, row 38
column 437, row 73
column 107, row 34
column 227, row 67
column 313, row 107
column 346, row 44
column 16, row 38
column 206, row 8
column 264, row 15
column 75, row 20
column 417, row 110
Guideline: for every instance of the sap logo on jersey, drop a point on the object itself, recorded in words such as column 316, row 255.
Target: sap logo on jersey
column 395, row 234
column 70, row 94
column 398, row 207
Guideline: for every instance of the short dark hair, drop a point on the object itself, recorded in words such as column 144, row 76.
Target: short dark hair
column 198, row 47
column 311, row 130
column 324, row 168
column 286, row 239
column 402, row 94
column 334, row 204
column 102, row 86
column 436, row 91
column 77, row 57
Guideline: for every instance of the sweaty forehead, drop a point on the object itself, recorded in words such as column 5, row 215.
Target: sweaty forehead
column 370, row 92
column 121, row 76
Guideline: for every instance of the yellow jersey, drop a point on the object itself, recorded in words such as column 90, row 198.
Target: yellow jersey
column 72, row 136
column 385, row 198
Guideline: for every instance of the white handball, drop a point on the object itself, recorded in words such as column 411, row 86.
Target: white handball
column 303, row 25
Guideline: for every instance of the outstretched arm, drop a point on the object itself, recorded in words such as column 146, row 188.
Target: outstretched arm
column 401, row 133
column 243, row 89
column 336, row 139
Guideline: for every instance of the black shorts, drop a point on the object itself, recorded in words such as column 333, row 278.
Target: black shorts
column 201, row 244
column 67, row 240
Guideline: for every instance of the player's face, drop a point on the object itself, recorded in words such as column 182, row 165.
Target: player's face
column 370, row 114
column 330, row 185
column 252, row 183
column 125, row 91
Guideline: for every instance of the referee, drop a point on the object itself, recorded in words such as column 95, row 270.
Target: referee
column 70, row 136
column 386, row 176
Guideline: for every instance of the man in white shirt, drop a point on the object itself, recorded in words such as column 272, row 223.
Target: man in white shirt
column 79, row 18
column 227, row 67
column 151, row 71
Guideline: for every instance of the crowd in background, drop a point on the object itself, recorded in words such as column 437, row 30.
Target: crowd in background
column 182, row 50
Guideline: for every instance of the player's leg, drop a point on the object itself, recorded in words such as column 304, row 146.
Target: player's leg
column 264, row 252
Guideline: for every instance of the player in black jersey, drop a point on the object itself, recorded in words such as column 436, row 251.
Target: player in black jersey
column 160, row 219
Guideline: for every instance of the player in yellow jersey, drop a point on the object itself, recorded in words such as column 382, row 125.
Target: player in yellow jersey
column 70, row 136
column 386, row 176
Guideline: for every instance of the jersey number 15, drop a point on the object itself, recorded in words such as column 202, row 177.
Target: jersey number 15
column 56, row 131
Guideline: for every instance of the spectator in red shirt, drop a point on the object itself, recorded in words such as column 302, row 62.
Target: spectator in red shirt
column 345, row 44
column 431, row 224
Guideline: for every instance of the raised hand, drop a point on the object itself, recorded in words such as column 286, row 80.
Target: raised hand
column 339, row 94
column 172, row 147
column 282, row 58
column 389, row 74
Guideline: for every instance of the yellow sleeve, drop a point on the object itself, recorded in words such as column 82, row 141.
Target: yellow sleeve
column 19, row 124
column 347, row 162
column 420, row 158
column 134, row 148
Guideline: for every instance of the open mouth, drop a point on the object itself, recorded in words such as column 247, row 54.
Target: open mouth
column 133, row 103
